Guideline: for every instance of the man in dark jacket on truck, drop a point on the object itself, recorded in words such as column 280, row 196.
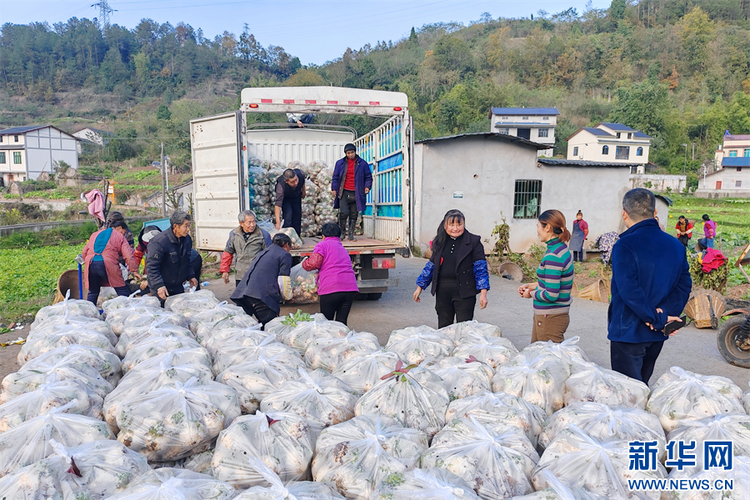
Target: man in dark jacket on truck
column 290, row 189
column 350, row 184
column 267, row 281
column 168, row 265
column 650, row 287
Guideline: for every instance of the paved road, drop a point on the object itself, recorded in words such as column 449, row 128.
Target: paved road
column 691, row 349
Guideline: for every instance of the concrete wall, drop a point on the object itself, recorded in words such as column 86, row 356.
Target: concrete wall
column 724, row 193
column 659, row 183
column 477, row 176
column 46, row 147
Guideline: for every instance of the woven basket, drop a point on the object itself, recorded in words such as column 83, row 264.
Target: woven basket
column 705, row 308
column 68, row 280
column 596, row 291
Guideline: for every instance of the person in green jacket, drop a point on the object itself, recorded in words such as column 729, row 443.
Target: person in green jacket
column 551, row 293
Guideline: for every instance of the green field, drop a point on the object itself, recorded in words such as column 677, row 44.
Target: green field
column 28, row 278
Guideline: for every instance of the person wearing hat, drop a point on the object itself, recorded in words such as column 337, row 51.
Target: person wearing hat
column 352, row 180
column 101, row 257
column 290, row 189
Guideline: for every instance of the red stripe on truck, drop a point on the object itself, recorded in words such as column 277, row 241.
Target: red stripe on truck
column 374, row 103
column 332, row 102
column 267, row 101
column 354, row 103
column 288, row 101
column 310, row 101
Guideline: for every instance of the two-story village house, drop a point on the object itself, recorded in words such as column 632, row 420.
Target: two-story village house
column 533, row 124
column 610, row 142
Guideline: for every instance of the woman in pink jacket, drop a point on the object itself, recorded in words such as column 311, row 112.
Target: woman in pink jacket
column 337, row 283
column 101, row 257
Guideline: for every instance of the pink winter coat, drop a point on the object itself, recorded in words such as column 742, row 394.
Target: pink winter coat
column 335, row 267
column 116, row 246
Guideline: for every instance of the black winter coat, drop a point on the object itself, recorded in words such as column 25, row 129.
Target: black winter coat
column 471, row 250
column 168, row 261
column 261, row 281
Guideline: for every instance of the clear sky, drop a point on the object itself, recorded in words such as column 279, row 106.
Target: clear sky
column 314, row 30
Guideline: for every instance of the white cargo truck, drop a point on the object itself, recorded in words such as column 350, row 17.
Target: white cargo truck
column 222, row 145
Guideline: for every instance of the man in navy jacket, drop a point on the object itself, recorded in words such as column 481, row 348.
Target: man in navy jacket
column 650, row 287
column 350, row 184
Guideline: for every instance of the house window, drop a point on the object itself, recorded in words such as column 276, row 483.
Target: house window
column 503, row 130
column 605, row 150
column 747, row 153
column 546, row 118
column 543, row 132
column 2, row 156
column 739, row 169
column 528, row 198
column 639, row 151
column 2, row 138
column 618, row 135
column 733, row 153
column 575, row 151
column 16, row 157
column 15, row 138
column 506, row 117
column 630, row 135
column 738, row 184
column 622, row 153
column 525, row 118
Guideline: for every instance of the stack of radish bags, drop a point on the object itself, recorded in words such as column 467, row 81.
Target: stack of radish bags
column 196, row 401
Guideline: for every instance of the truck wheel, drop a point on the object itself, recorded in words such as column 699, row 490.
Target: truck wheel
column 374, row 296
column 734, row 344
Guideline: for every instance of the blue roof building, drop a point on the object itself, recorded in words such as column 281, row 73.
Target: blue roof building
column 610, row 143
column 26, row 152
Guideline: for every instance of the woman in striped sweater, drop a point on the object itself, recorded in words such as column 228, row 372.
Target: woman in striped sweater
column 551, row 293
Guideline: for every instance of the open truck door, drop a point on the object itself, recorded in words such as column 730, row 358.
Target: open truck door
column 218, row 177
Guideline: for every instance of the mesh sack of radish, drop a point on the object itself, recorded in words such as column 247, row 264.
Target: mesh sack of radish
column 681, row 395
column 282, row 441
column 176, row 421
column 359, row 454
column 494, row 465
column 413, row 396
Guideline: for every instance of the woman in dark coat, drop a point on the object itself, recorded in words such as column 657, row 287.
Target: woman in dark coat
column 457, row 271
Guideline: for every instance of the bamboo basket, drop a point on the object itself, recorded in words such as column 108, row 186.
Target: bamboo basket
column 68, row 280
column 705, row 308
column 596, row 291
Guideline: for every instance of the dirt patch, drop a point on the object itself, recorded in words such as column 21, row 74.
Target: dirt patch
column 9, row 355
column 738, row 292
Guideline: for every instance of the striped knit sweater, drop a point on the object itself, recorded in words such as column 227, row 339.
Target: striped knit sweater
column 555, row 274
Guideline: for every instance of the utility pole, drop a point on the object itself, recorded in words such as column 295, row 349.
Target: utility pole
column 163, row 183
column 684, row 166
column 693, row 151
column 104, row 11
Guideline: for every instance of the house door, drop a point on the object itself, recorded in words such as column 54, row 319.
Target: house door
column 525, row 133
column 718, row 184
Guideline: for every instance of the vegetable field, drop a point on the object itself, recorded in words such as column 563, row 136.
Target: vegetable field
column 28, row 277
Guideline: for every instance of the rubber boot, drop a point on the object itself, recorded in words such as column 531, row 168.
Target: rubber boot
column 342, row 225
column 352, row 228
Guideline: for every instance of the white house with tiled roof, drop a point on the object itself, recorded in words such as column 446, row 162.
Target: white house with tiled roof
column 533, row 124
column 26, row 152
column 611, row 143
column 731, row 176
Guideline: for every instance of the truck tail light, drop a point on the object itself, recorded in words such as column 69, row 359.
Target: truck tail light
column 397, row 108
column 383, row 263
column 253, row 105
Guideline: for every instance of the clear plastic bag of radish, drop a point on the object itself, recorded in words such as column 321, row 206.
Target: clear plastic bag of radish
column 424, row 484
column 282, row 441
column 415, row 344
column 539, row 379
column 359, row 454
column 363, row 372
column 591, row 382
column 329, row 353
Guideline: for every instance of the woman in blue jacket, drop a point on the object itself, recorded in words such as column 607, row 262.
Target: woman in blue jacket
column 457, row 271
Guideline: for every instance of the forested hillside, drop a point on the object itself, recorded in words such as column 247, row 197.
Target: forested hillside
column 675, row 69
